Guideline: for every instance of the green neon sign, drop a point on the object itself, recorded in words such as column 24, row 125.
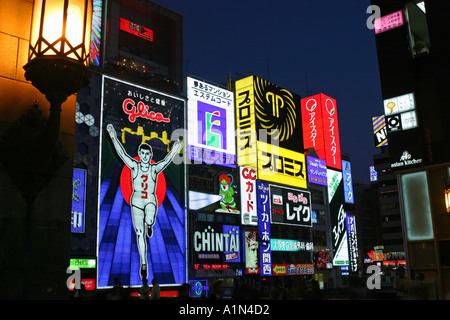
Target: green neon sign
column 83, row 263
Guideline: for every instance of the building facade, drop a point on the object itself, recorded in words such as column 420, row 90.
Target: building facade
column 412, row 56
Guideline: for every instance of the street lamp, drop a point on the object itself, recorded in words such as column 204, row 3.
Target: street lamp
column 447, row 198
column 59, row 55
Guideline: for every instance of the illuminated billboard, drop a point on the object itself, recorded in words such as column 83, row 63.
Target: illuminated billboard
column 337, row 217
column 141, row 206
column 290, row 206
column 96, row 33
column 293, row 269
column 247, row 178
column 389, row 22
column 135, row 29
column 265, row 254
column 269, row 132
column 290, row 245
column 213, row 189
column 379, row 131
column 400, row 113
column 216, row 243
column 321, row 129
column 78, row 200
column 251, row 245
column 352, row 242
column 348, row 182
column 317, row 170
column 211, row 133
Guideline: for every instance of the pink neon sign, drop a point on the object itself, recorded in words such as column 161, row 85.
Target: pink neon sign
column 388, row 22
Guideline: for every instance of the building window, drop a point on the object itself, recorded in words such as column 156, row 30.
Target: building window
column 418, row 28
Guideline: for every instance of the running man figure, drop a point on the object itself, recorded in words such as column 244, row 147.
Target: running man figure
column 143, row 202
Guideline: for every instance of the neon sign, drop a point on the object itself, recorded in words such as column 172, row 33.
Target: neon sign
column 210, row 124
column 269, row 132
column 290, row 206
column 317, row 170
column 248, row 196
column 135, row 29
column 389, row 22
column 348, row 182
column 141, row 110
column 264, row 221
column 320, row 128
column 78, row 200
column 141, row 145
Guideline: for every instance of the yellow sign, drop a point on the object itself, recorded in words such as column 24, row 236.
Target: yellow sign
column 279, row 165
column 245, row 123
column 268, row 132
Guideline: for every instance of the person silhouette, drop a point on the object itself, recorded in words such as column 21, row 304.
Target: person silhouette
column 143, row 202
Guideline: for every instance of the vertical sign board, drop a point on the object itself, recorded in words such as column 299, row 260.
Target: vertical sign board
column 290, row 206
column 246, row 153
column 264, row 228
column 352, row 242
column 141, row 206
column 321, row 129
column 78, row 200
column 96, row 33
column 348, row 182
column 249, row 212
column 379, row 131
column 211, row 135
column 269, row 132
column 251, row 244
column 337, row 217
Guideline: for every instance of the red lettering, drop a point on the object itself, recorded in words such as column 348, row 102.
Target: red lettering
column 249, row 174
column 141, row 110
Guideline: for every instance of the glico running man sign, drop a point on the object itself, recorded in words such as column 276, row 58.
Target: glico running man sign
column 141, row 206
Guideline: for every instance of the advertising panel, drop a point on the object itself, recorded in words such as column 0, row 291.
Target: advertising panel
column 317, row 170
column 294, row 269
column 247, row 177
column 141, row 206
column 246, row 137
column 348, row 182
column 214, row 189
column 400, row 113
column 216, row 243
column 211, row 134
column 388, row 22
column 197, row 288
column 321, row 129
column 290, row 245
column 265, row 253
column 290, row 206
column 337, row 217
column 379, row 131
column 96, row 32
column 269, row 132
column 352, row 242
column 135, row 29
column 78, row 200
column 251, row 252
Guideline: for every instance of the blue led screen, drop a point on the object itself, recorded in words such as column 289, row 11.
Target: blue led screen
column 141, row 217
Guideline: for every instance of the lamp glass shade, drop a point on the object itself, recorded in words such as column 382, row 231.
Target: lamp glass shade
column 61, row 28
column 447, row 199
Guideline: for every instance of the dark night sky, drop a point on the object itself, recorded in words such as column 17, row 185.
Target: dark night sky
column 304, row 46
